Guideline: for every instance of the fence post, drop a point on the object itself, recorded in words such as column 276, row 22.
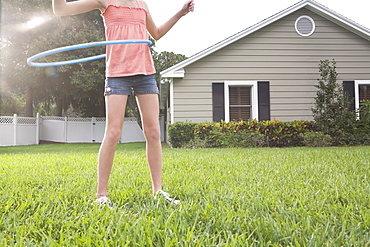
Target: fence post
column 65, row 129
column 15, row 124
column 38, row 128
column 92, row 129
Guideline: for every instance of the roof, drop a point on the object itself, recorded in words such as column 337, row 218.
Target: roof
column 177, row 71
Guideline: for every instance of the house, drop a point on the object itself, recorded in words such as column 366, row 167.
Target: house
column 269, row 70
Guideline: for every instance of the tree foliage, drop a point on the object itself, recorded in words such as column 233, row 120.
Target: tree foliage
column 331, row 105
column 51, row 90
column 163, row 61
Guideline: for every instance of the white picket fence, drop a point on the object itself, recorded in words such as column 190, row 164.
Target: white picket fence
column 19, row 131
column 16, row 130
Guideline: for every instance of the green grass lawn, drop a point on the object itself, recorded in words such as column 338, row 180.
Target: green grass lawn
column 230, row 197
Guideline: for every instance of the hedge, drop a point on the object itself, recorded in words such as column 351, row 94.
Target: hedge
column 254, row 133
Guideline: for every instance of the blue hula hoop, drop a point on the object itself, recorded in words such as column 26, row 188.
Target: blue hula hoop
column 79, row 46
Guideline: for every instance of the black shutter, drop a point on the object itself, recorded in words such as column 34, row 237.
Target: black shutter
column 218, row 101
column 349, row 87
column 263, row 100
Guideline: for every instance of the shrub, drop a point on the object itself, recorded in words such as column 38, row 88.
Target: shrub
column 196, row 142
column 213, row 135
column 180, row 133
column 231, row 134
column 316, row 139
column 246, row 139
column 362, row 126
column 238, row 134
column 361, row 134
column 364, row 111
column 264, row 133
column 284, row 134
column 331, row 105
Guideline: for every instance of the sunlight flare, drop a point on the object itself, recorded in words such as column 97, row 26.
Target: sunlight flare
column 33, row 23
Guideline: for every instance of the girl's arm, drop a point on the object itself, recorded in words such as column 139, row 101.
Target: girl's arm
column 61, row 7
column 158, row 32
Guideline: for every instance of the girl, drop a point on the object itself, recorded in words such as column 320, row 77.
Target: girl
column 128, row 67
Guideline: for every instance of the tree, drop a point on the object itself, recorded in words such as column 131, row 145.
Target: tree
column 163, row 61
column 331, row 105
column 57, row 87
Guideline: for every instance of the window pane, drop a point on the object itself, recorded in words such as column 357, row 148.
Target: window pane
column 240, row 95
column 240, row 113
column 364, row 92
column 240, row 103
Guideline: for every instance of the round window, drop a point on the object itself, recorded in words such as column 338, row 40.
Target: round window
column 305, row 25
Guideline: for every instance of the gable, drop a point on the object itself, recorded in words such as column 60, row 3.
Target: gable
column 278, row 49
column 177, row 71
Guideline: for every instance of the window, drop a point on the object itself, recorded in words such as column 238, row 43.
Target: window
column 241, row 100
column 240, row 104
column 236, row 100
column 362, row 92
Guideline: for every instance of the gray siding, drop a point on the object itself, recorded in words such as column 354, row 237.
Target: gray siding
column 277, row 54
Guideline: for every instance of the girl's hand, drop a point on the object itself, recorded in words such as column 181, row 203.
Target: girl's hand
column 158, row 32
column 188, row 7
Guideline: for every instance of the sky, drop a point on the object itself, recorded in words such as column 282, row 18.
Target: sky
column 216, row 20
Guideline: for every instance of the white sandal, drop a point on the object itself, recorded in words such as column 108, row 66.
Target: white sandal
column 104, row 201
column 161, row 193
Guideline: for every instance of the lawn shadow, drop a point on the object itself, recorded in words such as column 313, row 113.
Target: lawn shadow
column 49, row 147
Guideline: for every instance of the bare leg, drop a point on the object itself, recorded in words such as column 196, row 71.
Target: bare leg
column 149, row 109
column 115, row 111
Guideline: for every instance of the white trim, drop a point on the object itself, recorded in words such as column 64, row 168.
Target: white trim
column 339, row 19
column 254, row 96
column 180, row 73
column 357, row 94
column 312, row 22
column 172, row 104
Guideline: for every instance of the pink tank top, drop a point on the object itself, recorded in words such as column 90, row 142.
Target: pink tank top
column 122, row 23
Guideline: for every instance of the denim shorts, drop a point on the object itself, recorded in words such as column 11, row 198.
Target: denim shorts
column 128, row 85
